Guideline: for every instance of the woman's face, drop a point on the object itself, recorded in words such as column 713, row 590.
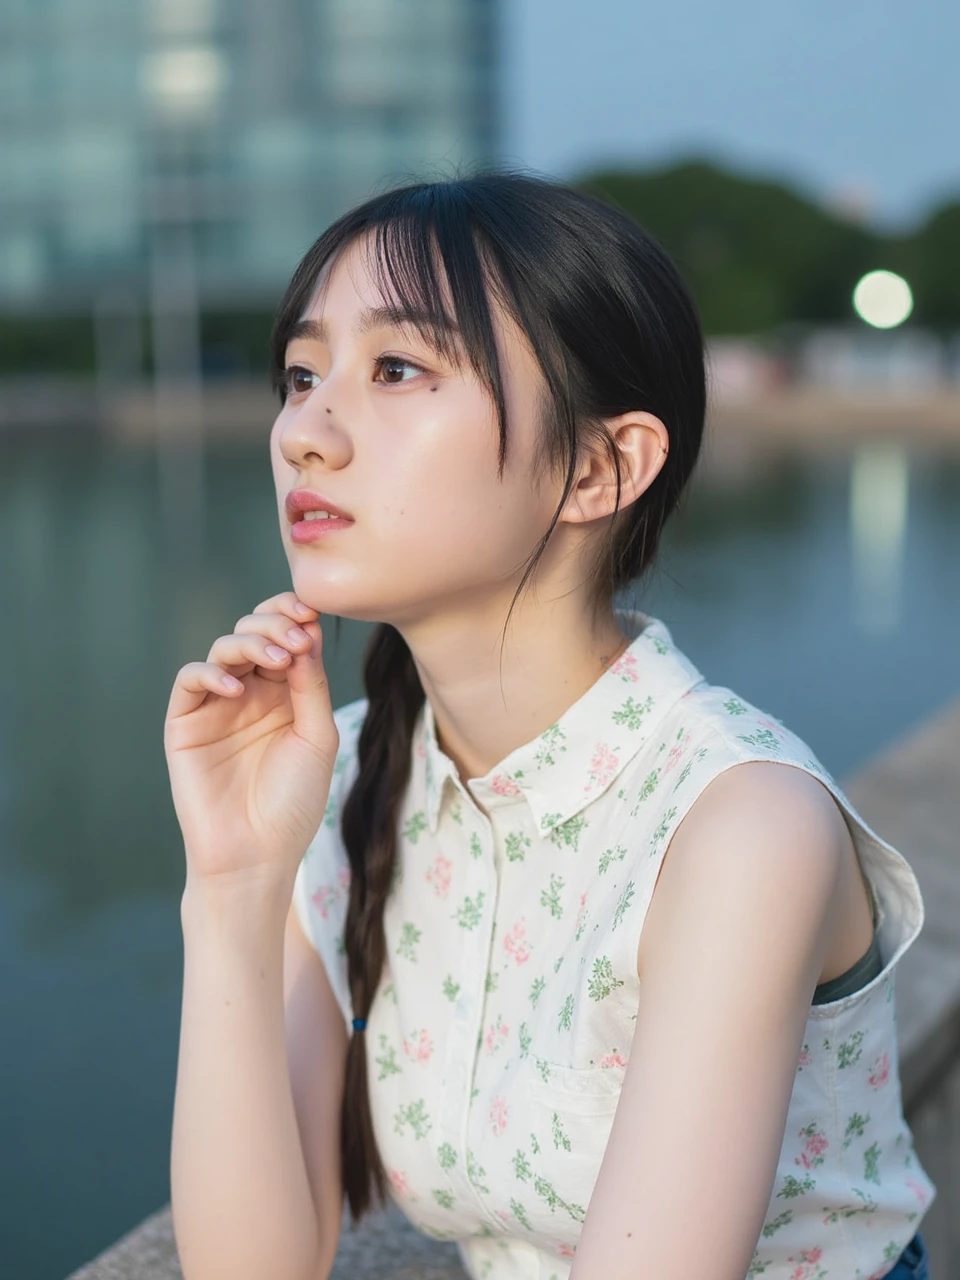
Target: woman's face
column 406, row 443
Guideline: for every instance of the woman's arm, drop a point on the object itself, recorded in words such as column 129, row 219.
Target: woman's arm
column 731, row 951
column 255, row 1170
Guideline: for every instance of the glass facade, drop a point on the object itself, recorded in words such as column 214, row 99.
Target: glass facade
column 240, row 128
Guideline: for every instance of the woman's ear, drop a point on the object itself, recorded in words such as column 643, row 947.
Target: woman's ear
column 642, row 443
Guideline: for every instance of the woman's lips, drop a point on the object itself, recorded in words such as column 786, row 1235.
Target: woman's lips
column 311, row 530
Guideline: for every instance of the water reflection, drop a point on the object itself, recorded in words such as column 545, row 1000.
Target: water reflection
column 879, row 509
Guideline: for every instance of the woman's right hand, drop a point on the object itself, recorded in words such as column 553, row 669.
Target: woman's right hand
column 250, row 767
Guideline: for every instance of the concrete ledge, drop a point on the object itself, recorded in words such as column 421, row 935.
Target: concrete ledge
column 910, row 794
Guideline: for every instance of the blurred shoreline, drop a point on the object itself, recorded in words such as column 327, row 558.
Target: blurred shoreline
column 768, row 420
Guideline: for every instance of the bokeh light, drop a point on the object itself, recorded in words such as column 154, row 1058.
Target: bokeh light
column 883, row 299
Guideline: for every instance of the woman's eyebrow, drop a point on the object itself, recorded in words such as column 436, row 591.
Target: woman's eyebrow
column 375, row 318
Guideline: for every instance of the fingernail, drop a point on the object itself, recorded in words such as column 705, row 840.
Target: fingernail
column 275, row 652
column 296, row 636
column 302, row 609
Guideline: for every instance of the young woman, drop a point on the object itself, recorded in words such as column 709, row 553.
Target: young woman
column 585, row 960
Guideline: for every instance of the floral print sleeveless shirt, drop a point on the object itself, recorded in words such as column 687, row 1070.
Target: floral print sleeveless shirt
column 502, row 1025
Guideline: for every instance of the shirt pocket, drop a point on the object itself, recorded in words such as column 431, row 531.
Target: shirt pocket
column 567, row 1114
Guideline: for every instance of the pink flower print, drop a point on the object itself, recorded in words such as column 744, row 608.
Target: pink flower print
column 879, row 1072
column 515, row 943
column 498, row 1115
column 496, row 1035
column 438, row 874
column 676, row 752
column 772, row 724
column 421, row 748
column 419, row 1047
column 504, row 786
column 920, row 1192
column 567, row 1250
column 602, row 767
column 612, row 1060
column 806, row 1268
column 399, row 1181
column 343, row 879
column 581, row 912
column 804, row 1060
column 814, row 1145
column 626, row 667
column 323, row 898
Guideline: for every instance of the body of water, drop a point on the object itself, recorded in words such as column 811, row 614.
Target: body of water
column 825, row 591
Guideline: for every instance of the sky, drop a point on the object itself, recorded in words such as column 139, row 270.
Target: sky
column 847, row 100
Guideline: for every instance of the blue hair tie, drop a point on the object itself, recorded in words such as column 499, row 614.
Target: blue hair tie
column 359, row 1024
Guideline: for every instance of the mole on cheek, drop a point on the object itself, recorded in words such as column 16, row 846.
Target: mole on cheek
column 433, row 388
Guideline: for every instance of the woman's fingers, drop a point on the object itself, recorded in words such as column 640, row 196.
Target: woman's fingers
column 194, row 682
column 242, row 651
column 278, row 628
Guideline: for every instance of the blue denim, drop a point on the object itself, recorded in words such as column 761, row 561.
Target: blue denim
column 913, row 1263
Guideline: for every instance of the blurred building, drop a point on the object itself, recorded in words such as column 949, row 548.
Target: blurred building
column 224, row 134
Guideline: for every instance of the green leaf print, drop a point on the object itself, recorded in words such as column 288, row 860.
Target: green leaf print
column 524, row 1037
column 734, row 707
column 623, row 903
column 415, row 1115
column 565, row 1021
column 602, row 982
column 469, row 914
column 855, row 1127
column 557, row 963
column 549, row 820
column 871, row 1162
column 546, row 1191
column 662, row 830
column 543, row 1066
column 492, row 981
column 616, row 854
column 757, row 1268
column 515, row 844
column 521, row 1166
column 793, row 1187
column 476, row 848
column 518, row 1211
column 781, row 1220
column 568, row 833
column 410, row 936
column 446, row 1155
column 560, row 1138
column 536, row 990
column 631, row 712
column 451, row 989
column 849, row 1050
column 762, row 738
column 388, row 1060
column 476, row 1173
column 549, row 741
column 415, row 827
column 646, row 791
column 852, row 1210
column 456, row 813
column 534, row 1144
column 550, row 898
column 443, row 1198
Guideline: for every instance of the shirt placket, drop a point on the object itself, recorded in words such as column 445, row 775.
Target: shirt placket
column 463, row 1042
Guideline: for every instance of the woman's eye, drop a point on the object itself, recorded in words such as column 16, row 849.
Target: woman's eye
column 392, row 368
column 296, row 380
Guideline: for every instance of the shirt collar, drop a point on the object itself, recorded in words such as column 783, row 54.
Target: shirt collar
column 578, row 757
